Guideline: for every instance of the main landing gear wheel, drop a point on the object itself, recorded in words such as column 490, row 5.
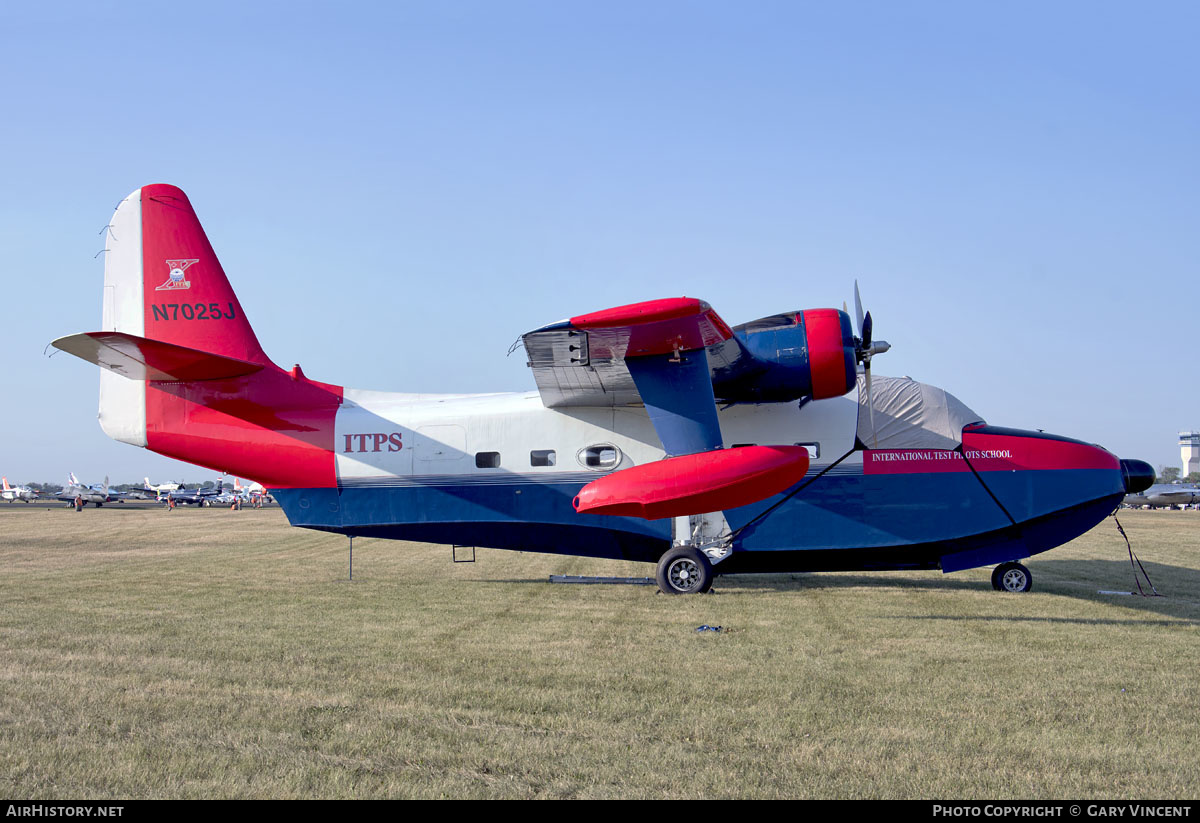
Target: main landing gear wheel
column 684, row 570
column 1011, row 577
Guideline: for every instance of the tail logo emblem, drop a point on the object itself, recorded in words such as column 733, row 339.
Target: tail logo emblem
column 176, row 280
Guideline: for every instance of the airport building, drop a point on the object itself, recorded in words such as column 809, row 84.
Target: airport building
column 1189, row 450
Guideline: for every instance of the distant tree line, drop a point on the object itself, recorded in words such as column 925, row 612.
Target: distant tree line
column 1170, row 474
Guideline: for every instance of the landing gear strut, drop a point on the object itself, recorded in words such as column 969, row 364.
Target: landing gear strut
column 1011, row 577
column 684, row 570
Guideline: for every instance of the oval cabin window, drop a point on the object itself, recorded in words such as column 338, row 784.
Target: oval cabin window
column 600, row 457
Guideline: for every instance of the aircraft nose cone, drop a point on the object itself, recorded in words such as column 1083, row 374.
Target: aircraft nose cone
column 1138, row 474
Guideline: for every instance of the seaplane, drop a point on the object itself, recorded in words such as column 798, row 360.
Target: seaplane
column 657, row 433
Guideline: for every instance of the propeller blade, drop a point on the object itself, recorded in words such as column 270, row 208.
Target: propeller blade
column 865, row 346
column 858, row 312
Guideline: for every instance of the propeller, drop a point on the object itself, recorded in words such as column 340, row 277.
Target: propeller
column 864, row 349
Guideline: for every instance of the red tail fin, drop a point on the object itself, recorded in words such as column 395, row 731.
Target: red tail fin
column 184, row 374
column 188, row 300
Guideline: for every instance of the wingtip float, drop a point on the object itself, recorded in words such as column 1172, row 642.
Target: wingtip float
column 685, row 485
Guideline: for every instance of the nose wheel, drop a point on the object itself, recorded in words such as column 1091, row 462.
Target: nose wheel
column 1011, row 577
column 684, row 570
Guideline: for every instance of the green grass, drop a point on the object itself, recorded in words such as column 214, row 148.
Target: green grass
column 209, row 653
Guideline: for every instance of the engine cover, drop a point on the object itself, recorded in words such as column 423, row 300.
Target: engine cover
column 788, row 356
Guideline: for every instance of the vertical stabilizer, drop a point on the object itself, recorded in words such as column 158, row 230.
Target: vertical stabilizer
column 163, row 282
column 183, row 373
column 188, row 299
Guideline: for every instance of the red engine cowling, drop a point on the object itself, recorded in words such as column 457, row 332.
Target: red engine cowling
column 798, row 354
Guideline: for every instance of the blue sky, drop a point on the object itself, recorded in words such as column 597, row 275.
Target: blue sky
column 399, row 190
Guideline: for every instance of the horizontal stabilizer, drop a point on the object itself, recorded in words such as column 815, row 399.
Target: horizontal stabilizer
column 141, row 359
column 696, row 483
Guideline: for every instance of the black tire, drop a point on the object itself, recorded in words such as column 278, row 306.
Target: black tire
column 1011, row 577
column 684, row 570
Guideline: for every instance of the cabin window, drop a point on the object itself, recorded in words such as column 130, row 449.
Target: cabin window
column 487, row 460
column 814, row 449
column 742, row 445
column 600, row 457
column 542, row 457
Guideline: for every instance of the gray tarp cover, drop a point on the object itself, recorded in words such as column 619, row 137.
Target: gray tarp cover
column 910, row 415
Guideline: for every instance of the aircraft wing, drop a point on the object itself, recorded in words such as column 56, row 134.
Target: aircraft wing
column 662, row 354
column 583, row 361
column 655, row 354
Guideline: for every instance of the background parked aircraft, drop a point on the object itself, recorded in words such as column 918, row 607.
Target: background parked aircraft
column 96, row 494
column 214, row 495
column 14, row 493
column 159, row 489
column 1163, row 495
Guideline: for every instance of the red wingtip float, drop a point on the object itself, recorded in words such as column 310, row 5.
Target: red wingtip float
column 658, row 433
column 708, row 481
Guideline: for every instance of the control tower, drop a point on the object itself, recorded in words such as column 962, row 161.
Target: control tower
column 1189, row 450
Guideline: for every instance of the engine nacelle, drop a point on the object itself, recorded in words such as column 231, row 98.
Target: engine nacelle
column 799, row 354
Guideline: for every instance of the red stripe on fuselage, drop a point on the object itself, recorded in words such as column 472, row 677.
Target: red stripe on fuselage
column 991, row 453
column 269, row 426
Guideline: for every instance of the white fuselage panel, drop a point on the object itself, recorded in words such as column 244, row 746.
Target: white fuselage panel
column 379, row 436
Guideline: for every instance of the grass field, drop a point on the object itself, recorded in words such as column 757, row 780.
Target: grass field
column 208, row 653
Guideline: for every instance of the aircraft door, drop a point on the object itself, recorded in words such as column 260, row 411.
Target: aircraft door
column 440, row 449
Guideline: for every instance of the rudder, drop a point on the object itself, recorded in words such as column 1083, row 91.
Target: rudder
column 187, row 299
